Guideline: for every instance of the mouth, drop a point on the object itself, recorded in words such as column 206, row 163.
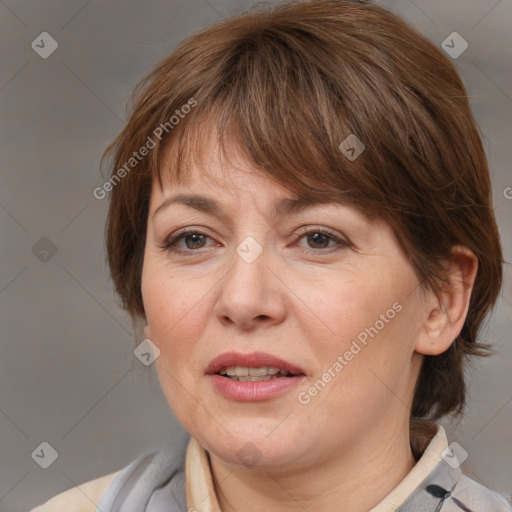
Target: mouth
column 253, row 377
column 254, row 374
column 253, row 367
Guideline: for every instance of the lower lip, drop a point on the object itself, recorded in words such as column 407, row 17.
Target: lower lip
column 253, row 391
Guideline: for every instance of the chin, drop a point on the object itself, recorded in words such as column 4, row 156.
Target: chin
column 248, row 446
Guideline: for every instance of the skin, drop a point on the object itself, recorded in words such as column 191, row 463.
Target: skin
column 305, row 303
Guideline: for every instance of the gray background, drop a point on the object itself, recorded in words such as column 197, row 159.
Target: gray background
column 68, row 376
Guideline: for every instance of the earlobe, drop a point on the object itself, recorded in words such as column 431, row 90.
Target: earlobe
column 437, row 333
column 447, row 310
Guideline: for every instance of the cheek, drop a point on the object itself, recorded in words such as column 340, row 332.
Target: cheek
column 369, row 325
column 175, row 310
column 376, row 357
column 346, row 308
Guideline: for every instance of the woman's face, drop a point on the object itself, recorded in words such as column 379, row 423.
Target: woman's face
column 321, row 293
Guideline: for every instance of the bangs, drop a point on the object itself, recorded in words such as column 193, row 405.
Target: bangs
column 190, row 147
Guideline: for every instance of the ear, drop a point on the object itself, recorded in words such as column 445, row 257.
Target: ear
column 446, row 312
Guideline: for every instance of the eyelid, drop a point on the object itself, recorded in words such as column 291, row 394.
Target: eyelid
column 311, row 227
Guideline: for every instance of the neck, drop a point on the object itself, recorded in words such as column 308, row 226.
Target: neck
column 357, row 480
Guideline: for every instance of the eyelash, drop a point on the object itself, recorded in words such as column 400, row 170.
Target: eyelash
column 170, row 243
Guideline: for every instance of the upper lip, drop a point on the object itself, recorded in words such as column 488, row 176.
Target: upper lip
column 251, row 360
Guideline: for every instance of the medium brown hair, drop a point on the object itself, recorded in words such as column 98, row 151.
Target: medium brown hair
column 285, row 86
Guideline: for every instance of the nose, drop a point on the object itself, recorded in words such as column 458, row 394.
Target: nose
column 251, row 295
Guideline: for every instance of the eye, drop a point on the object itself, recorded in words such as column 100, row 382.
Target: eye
column 193, row 238
column 318, row 239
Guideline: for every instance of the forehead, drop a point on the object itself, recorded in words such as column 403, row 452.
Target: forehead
column 195, row 154
column 196, row 162
column 214, row 176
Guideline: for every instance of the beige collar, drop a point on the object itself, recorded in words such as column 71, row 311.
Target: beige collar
column 428, row 461
column 201, row 495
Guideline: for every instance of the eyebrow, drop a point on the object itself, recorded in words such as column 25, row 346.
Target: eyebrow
column 209, row 205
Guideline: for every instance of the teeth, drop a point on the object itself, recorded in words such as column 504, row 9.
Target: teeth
column 258, row 372
column 255, row 379
column 241, row 371
column 252, row 374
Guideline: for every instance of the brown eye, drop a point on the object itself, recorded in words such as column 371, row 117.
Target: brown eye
column 193, row 239
column 318, row 240
column 196, row 240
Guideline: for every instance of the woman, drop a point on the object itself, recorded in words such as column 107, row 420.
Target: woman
column 301, row 221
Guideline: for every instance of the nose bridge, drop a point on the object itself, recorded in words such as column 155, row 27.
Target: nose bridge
column 247, row 276
column 250, row 249
column 246, row 292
